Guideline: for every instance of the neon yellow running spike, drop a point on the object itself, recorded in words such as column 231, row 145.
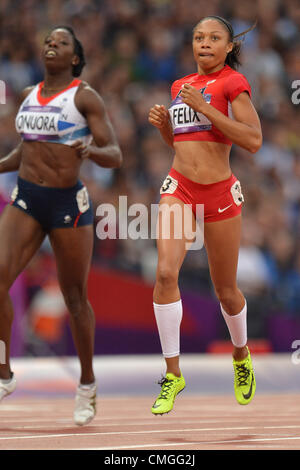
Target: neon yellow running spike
column 244, row 380
column 170, row 387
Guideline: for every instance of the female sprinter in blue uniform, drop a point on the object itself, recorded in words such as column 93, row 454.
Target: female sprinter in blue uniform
column 211, row 109
column 61, row 122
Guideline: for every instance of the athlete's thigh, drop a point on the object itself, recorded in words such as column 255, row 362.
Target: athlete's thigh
column 222, row 242
column 73, row 248
column 175, row 226
column 21, row 236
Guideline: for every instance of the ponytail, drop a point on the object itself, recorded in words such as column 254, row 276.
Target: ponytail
column 233, row 57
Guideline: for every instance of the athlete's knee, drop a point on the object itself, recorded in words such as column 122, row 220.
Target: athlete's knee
column 75, row 299
column 166, row 276
column 5, row 284
column 229, row 297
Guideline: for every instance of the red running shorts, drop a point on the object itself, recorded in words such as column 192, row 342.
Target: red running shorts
column 221, row 200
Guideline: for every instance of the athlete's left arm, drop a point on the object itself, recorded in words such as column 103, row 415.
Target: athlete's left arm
column 244, row 130
column 104, row 150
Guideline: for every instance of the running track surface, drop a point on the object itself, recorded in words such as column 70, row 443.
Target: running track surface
column 39, row 414
column 126, row 423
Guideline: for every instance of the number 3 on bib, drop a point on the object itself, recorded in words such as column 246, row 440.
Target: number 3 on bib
column 169, row 186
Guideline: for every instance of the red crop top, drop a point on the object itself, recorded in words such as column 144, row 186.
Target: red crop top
column 218, row 89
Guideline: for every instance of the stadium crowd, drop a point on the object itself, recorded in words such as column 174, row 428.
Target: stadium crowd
column 134, row 50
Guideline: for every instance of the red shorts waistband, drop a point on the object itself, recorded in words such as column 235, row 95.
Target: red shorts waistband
column 201, row 186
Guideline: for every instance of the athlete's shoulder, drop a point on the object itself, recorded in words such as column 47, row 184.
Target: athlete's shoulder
column 228, row 73
column 232, row 74
column 83, row 85
column 87, row 98
column 235, row 83
column 86, row 89
column 26, row 91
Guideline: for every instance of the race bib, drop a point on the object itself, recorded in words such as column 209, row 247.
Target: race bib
column 82, row 198
column 169, row 186
column 185, row 119
column 236, row 192
column 14, row 193
column 38, row 122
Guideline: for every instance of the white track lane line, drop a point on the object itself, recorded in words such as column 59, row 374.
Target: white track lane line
column 180, row 444
column 160, row 431
column 70, row 424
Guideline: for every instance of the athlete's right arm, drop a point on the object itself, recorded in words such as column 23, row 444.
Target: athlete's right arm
column 159, row 117
column 12, row 161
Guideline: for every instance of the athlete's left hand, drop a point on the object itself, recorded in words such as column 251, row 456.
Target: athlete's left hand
column 192, row 97
column 83, row 150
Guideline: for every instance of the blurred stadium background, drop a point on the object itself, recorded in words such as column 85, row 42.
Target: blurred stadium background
column 134, row 50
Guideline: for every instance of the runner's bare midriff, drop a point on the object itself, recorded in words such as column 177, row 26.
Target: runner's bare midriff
column 202, row 162
column 53, row 165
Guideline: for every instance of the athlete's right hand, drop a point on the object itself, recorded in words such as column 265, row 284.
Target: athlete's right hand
column 158, row 116
column 83, row 150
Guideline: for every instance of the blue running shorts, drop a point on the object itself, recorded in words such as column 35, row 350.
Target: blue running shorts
column 54, row 207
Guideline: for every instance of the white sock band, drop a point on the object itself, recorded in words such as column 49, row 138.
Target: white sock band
column 168, row 319
column 237, row 326
column 87, row 386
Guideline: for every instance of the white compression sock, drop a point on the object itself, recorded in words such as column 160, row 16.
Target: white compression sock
column 87, row 386
column 237, row 326
column 168, row 319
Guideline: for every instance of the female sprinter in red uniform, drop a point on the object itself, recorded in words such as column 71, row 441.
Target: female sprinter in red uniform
column 61, row 122
column 211, row 109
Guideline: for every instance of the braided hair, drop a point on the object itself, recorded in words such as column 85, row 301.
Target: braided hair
column 78, row 50
column 233, row 57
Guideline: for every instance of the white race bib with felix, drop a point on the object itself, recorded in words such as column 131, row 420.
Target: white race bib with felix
column 184, row 119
